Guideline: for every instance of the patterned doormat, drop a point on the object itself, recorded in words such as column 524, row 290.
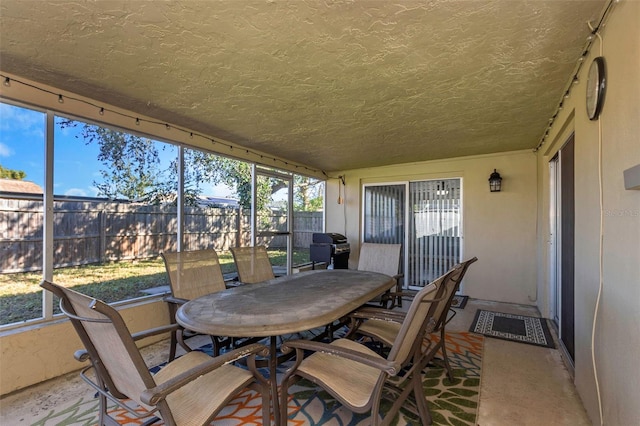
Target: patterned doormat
column 459, row 301
column 517, row 328
column 451, row 402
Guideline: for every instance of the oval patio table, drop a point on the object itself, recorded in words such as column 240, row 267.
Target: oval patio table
column 284, row 305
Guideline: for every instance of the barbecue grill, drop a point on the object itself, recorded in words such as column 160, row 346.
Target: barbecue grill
column 331, row 248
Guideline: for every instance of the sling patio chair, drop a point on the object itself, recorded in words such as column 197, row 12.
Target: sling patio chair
column 385, row 259
column 192, row 274
column 384, row 325
column 190, row 390
column 252, row 264
column 381, row 258
column 359, row 378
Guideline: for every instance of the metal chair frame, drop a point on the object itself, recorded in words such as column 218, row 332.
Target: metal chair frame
column 175, row 392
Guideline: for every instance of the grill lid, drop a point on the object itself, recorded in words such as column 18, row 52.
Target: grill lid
column 329, row 238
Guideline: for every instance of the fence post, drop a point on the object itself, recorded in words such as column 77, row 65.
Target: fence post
column 102, row 218
column 238, row 227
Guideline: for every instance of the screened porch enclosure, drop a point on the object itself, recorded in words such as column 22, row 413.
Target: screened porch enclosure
column 424, row 216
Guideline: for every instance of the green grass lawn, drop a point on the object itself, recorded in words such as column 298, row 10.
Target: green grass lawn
column 21, row 295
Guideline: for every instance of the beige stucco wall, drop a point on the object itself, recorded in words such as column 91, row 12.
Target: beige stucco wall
column 40, row 352
column 499, row 228
column 616, row 342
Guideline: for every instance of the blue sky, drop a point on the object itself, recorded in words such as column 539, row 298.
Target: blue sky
column 22, row 141
column 22, row 144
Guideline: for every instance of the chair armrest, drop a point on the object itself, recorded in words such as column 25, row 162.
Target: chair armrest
column 391, row 368
column 398, row 283
column 393, row 296
column 158, row 393
column 370, row 312
column 175, row 300
column 389, row 299
column 155, row 331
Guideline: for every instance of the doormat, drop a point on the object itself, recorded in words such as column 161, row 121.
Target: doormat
column 459, row 301
column 517, row 328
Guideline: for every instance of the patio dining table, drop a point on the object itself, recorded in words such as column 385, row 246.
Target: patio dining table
column 284, row 305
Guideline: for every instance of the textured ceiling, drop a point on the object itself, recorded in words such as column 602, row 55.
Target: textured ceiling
column 334, row 85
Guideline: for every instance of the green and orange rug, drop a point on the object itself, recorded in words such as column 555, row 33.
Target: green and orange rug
column 451, row 402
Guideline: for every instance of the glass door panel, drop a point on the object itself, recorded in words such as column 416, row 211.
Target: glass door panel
column 272, row 216
column 434, row 244
column 308, row 216
column 385, row 216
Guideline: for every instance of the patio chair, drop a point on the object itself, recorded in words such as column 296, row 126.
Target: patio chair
column 384, row 325
column 359, row 378
column 385, row 259
column 189, row 390
column 252, row 264
column 192, row 274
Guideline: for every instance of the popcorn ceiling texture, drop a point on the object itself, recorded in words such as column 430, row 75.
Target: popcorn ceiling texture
column 335, row 85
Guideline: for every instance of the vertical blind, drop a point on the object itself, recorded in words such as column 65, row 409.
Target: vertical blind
column 384, row 210
column 434, row 244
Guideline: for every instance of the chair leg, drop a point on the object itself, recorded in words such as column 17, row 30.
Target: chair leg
column 215, row 345
column 104, row 419
column 353, row 328
column 284, row 399
column 180, row 337
column 400, row 397
column 329, row 331
column 266, row 406
column 173, row 344
column 443, row 349
column 421, row 400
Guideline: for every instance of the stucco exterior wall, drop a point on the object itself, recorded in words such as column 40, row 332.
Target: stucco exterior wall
column 40, row 352
column 498, row 228
column 607, row 277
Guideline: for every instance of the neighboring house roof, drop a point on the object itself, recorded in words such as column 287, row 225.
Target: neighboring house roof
column 22, row 186
column 205, row 201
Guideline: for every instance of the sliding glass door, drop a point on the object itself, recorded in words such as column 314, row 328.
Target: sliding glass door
column 425, row 216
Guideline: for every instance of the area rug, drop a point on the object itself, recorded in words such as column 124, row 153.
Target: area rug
column 517, row 328
column 459, row 302
column 451, row 402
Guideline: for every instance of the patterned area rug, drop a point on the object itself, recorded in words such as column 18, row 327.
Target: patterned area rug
column 451, row 402
column 517, row 328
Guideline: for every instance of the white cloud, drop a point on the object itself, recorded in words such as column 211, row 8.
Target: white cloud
column 5, row 151
column 76, row 192
column 13, row 117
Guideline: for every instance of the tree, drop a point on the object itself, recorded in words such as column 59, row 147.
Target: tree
column 308, row 195
column 131, row 163
column 207, row 167
column 12, row 174
column 132, row 171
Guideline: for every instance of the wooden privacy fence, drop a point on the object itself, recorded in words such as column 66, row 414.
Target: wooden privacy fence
column 92, row 231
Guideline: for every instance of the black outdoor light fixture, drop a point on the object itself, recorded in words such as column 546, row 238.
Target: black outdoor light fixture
column 495, row 181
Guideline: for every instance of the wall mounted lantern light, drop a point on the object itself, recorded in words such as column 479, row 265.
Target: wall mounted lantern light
column 495, row 181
